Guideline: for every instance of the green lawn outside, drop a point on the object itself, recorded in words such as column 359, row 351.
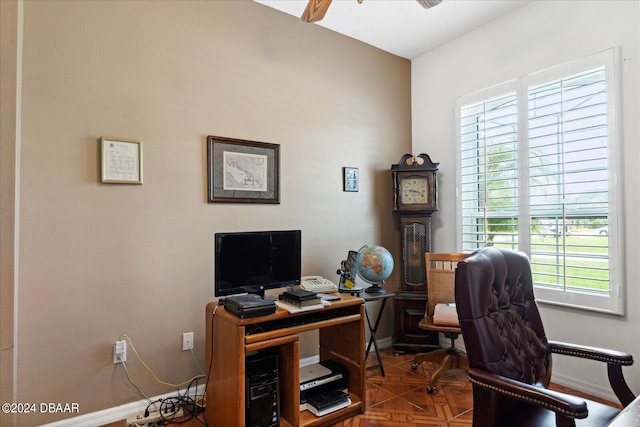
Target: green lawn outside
column 587, row 264
column 590, row 274
column 575, row 244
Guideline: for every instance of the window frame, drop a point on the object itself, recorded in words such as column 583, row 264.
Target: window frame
column 613, row 303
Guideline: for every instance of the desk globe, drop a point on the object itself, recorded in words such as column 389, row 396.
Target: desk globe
column 375, row 265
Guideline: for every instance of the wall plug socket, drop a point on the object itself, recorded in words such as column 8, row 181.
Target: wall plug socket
column 187, row 341
column 120, row 351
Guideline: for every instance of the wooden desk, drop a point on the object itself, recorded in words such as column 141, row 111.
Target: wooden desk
column 229, row 339
column 629, row 417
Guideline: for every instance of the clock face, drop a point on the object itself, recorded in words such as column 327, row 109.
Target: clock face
column 413, row 190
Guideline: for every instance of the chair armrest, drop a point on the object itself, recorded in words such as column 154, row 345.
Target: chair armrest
column 615, row 360
column 560, row 403
column 593, row 353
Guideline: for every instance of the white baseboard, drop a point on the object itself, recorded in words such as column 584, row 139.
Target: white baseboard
column 384, row 343
column 116, row 413
column 585, row 387
column 127, row 410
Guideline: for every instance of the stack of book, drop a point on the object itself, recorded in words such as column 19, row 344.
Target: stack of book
column 300, row 298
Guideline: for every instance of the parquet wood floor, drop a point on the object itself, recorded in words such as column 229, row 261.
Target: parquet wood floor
column 400, row 397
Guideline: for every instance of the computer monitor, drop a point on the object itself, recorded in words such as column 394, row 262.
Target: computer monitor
column 257, row 260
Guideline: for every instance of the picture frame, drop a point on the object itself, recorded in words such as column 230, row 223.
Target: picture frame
column 121, row 160
column 350, row 179
column 242, row 171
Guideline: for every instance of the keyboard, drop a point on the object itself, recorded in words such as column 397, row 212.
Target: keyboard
column 290, row 322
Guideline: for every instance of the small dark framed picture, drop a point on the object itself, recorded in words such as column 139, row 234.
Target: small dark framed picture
column 241, row 171
column 350, row 179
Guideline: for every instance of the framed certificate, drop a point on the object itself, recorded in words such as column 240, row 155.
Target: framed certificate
column 121, row 160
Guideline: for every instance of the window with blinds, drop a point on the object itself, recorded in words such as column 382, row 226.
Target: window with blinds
column 489, row 190
column 536, row 171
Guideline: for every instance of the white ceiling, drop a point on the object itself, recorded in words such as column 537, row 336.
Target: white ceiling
column 404, row 27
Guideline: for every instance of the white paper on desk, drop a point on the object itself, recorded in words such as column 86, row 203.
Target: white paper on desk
column 295, row 309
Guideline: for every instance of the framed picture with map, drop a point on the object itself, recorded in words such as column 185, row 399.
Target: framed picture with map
column 240, row 171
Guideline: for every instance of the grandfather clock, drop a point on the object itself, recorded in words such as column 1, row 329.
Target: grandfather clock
column 414, row 200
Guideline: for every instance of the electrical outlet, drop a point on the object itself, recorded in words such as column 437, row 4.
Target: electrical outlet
column 153, row 418
column 120, row 351
column 187, row 341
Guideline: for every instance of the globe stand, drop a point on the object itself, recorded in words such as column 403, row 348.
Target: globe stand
column 375, row 288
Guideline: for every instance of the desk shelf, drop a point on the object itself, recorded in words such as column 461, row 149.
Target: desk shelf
column 310, row 420
column 229, row 339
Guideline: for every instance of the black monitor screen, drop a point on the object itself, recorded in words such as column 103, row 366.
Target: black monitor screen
column 255, row 261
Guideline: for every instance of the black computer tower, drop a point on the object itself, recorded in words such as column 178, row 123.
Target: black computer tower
column 262, row 408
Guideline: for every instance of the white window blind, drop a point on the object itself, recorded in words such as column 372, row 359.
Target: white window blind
column 489, row 192
column 536, row 174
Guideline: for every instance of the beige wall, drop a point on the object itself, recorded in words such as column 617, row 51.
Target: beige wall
column 95, row 260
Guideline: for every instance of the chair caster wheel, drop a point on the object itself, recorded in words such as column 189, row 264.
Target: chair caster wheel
column 431, row 390
column 414, row 366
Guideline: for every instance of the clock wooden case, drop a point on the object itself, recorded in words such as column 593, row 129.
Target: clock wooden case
column 415, row 199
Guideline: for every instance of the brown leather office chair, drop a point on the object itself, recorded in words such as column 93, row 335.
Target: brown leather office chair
column 509, row 354
column 440, row 269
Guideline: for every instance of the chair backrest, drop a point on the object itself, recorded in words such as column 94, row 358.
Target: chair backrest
column 440, row 268
column 499, row 318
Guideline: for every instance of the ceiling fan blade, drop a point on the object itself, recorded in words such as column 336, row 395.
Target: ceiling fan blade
column 429, row 3
column 315, row 10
